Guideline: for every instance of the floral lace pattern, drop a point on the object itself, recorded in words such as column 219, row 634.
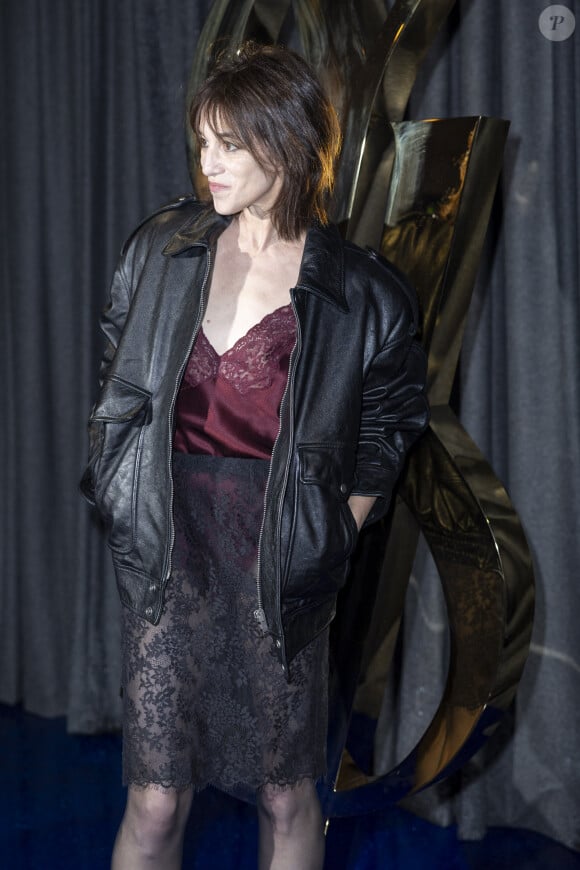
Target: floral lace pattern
column 247, row 365
column 205, row 697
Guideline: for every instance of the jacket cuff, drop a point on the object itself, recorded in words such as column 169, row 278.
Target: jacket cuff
column 376, row 482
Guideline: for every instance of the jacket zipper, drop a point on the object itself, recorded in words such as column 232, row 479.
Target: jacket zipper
column 259, row 613
column 171, row 413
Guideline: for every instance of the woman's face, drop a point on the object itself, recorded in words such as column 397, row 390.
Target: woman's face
column 236, row 180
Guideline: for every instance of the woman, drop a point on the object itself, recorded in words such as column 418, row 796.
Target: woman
column 260, row 387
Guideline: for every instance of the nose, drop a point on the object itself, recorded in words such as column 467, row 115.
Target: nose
column 209, row 160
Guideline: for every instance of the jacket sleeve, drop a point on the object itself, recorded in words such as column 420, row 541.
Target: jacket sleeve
column 113, row 318
column 395, row 412
column 112, row 322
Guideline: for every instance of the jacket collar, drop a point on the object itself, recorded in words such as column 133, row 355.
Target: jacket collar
column 322, row 267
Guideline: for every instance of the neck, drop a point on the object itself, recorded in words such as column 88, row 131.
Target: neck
column 256, row 232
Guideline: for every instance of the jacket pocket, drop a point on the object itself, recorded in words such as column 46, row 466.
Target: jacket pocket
column 351, row 523
column 324, row 533
column 118, row 424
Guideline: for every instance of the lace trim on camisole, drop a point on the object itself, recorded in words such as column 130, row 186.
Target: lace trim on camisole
column 247, row 365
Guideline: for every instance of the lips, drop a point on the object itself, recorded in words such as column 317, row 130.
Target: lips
column 216, row 188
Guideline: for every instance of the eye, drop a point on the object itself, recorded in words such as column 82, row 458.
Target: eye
column 202, row 142
column 230, row 146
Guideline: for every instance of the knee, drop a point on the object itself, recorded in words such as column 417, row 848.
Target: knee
column 283, row 807
column 154, row 817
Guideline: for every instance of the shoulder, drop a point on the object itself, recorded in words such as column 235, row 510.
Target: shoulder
column 164, row 222
column 380, row 274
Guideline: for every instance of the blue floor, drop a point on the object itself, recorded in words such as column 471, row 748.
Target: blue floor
column 61, row 801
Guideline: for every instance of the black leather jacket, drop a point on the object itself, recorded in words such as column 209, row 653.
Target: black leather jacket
column 353, row 404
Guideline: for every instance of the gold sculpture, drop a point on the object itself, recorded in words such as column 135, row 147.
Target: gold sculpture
column 422, row 193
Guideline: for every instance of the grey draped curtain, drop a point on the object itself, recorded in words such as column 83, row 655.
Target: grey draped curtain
column 92, row 141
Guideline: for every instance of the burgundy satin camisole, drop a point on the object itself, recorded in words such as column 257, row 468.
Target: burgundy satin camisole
column 229, row 404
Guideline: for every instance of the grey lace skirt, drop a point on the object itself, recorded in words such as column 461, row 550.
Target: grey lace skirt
column 205, row 698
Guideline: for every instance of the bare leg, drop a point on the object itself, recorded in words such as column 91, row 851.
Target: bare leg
column 152, row 829
column 291, row 828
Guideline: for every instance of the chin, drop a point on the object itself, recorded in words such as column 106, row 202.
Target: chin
column 223, row 209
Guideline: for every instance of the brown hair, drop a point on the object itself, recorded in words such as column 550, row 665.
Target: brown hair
column 273, row 103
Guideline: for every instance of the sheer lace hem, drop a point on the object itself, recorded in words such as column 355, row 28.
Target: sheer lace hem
column 234, row 787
